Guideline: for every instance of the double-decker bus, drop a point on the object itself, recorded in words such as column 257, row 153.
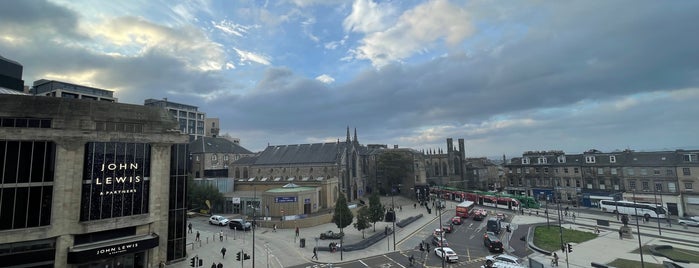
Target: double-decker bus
column 632, row 208
column 464, row 209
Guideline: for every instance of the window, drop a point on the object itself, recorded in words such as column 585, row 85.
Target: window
column 630, row 171
column 645, row 185
column 658, row 187
column 567, row 182
column 671, row 187
column 576, row 170
column 561, row 159
column 644, row 171
column 613, row 170
column 632, row 184
column 589, row 159
column 577, row 183
column 519, row 171
column 546, row 170
column 225, row 158
column 565, row 170
column 612, row 159
column 536, row 170
column 555, row 170
column 690, row 158
column 589, row 185
column 600, row 171
column 542, row 160
column 669, row 172
column 688, row 186
column 525, row 160
column 526, row 170
column 213, row 157
column 656, row 171
column 686, row 172
column 197, row 158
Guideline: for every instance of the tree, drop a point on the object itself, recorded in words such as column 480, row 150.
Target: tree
column 394, row 168
column 362, row 220
column 376, row 209
column 343, row 216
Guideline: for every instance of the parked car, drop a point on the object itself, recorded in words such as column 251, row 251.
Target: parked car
column 331, row 235
column 492, row 242
column 689, row 221
column 239, row 224
column 439, row 241
column 456, row 220
column 505, row 259
column 218, row 220
column 446, row 253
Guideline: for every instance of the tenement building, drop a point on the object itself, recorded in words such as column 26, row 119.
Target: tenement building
column 662, row 177
column 90, row 184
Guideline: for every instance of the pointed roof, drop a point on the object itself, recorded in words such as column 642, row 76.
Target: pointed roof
column 301, row 154
column 216, row 145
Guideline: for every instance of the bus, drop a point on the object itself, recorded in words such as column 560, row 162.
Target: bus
column 632, row 208
column 465, row 208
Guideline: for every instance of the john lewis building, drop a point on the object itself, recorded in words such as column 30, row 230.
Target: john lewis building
column 90, row 184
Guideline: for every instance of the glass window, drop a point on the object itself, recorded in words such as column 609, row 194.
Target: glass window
column 632, row 184
column 688, row 186
column 686, row 172
column 645, row 185
column 612, row 159
column 630, row 171
column 600, row 171
column 644, row 172
column 576, row 170
column 656, row 171
column 613, row 170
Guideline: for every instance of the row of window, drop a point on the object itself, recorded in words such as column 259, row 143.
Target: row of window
column 25, row 122
column 119, row 127
column 612, row 171
column 591, row 159
column 645, row 185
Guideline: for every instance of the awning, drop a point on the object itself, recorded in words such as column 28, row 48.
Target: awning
column 111, row 248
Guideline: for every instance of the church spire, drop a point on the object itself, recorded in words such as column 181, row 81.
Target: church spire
column 355, row 134
column 348, row 134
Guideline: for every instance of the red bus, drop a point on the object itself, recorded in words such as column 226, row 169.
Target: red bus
column 465, row 208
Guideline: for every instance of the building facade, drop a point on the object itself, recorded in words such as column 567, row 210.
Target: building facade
column 212, row 157
column 11, row 75
column 191, row 121
column 88, row 184
column 58, row 89
column 585, row 179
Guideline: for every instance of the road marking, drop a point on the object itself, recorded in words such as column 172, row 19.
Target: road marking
column 360, row 261
column 468, row 254
column 389, row 265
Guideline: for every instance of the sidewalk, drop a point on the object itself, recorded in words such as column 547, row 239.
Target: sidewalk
column 284, row 247
column 607, row 246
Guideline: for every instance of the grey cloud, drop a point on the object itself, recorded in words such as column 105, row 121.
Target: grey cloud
column 28, row 17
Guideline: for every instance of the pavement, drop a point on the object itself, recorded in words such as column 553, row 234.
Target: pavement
column 282, row 248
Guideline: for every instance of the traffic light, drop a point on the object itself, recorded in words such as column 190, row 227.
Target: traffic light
column 192, row 262
column 246, row 256
column 237, row 256
column 570, row 248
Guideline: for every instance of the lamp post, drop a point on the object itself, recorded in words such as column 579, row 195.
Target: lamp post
column 655, row 204
column 441, row 230
column 638, row 229
column 393, row 206
column 254, row 223
column 560, row 228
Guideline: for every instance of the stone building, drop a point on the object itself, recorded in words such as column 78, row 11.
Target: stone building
column 211, row 157
column 87, row 184
column 448, row 168
column 415, row 175
column 585, row 179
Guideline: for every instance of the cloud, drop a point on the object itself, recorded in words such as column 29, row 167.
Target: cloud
column 247, row 56
column 325, row 79
column 415, row 31
column 367, row 17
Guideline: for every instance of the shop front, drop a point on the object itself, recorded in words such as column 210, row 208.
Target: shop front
column 122, row 253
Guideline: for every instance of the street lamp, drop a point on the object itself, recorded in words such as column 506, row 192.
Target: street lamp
column 393, row 207
column 254, row 223
column 638, row 229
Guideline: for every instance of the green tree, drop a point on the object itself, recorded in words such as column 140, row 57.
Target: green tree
column 343, row 216
column 362, row 220
column 198, row 193
column 394, row 168
column 376, row 209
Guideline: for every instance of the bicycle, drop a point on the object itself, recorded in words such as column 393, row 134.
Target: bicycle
column 554, row 262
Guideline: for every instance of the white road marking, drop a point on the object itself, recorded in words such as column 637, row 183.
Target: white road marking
column 360, row 261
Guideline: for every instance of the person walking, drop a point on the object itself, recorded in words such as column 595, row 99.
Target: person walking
column 190, row 227
column 220, row 265
column 315, row 253
column 274, row 228
column 223, row 252
column 197, row 237
column 620, row 234
column 220, row 236
column 554, row 261
column 213, row 265
column 297, row 231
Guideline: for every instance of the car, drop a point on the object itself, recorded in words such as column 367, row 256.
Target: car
column 689, row 221
column 494, row 225
column 456, row 220
column 446, row 253
column 239, row 224
column 448, row 228
column 479, row 214
column 439, row 241
column 437, row 232
column 218, row 220
column 492, row 242
column 505, row 259
column 331, row 235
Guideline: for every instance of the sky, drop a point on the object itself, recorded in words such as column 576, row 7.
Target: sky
column 506, row 76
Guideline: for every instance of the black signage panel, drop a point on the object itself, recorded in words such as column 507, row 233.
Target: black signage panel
column 109, row 251
column 116, row 180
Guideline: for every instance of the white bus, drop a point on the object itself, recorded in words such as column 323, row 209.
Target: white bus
column 631, row 208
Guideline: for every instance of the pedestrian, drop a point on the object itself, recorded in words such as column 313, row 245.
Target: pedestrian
column 620, row 234
column 220, row 265
column 411, row 259
column 190, row 227
column 555, row 259
column 646, row 217
column 197, row 237
column 223, row 252
column 297, row 231
column 220, row 236
column 596, row 230
column 315, row 253
column 213, row 265
column 573, row 217
column 414, row 205
column 274, row 228
column 400, row 208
